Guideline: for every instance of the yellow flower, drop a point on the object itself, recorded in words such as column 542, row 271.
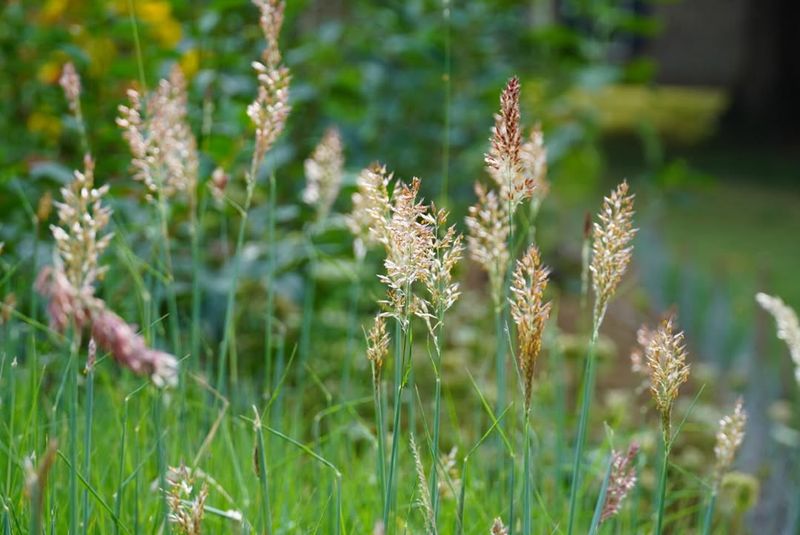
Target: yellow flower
column 190, row 62
column 45, row 124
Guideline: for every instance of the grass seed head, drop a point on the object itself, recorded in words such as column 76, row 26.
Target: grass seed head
column 160, row 139
column 533, row 156
column 498, row 528
column 666, row 360
column 611, row 248
column 371, row 208
column 530, row 313
column 787, row 323
column 377, row 347
column 270, row 110
column 324, row 173
column 729, row 438
column 70, row 82
column 186, row 507
column 487, row 239
column 620, row 482
column 424, row 500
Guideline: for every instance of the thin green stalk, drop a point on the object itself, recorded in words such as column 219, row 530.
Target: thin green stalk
column 270, row 273
column 662, row 488
column 709, row 516
column 121, row 473
column 601, row 500
column 196, row 230
column 402, row 346
column 588, row 390
column 381, row 467
column 87, row 441
column 161, row 457
column 72, row 416
column 355, row 298
column 229, row 308
column 262, row 476
column 527, row 498
column 437, row 410
column 172, row 301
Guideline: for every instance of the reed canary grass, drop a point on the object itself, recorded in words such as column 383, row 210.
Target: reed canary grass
column 611, row 254
column 787, row 324
column 324, row 173
column 530, row 313
column 729, row 438
column 666, row 360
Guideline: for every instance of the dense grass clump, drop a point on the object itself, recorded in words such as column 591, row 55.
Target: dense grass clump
column 430, row 388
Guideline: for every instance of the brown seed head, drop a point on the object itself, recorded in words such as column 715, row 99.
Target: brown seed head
column 611, row 250
column 666, row 360
column 487, row 240
column 729, row 438
column 620, row 482
column 530, row 313
column 498, row 528
column 377, row 347
column 503, row 161
column 324, row 173
column 533, row 156
column 788, row 325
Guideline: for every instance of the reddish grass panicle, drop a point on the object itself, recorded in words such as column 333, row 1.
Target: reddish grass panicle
column 621, row 481
column 70, row 82
column 611, row 248
column 787, row 323
column 530, row 313
column 324, row 173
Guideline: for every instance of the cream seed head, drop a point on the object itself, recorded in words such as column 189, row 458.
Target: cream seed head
column 79, row 237
column 447, row 249
column 530, row 313
column 498, row 528
column 70, row 82
column 787, row 323
column 160, row 139
column 611, row 248
column 666, row 360
column 324, row 173
column 270, row 110
column 186, row 507
column 533, row 157
column 371, row 208
column 729, row 438
column 408, row 241
column 487, row 239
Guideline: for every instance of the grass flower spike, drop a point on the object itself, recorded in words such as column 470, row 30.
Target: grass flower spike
column 270, row 110
column 160, row 139
column 530, row 313
column 611, row 248
column 70, row 82
column 729, row 438
column 487, row 240
column 324, row 173
column 533, row 157
column 80, row 239
column 666, row 360
column 504, row 160
column 377, row 347
column 371, row 208
column 186, row 508
column 621, row 481
column 498, row 528
column 788, row 325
